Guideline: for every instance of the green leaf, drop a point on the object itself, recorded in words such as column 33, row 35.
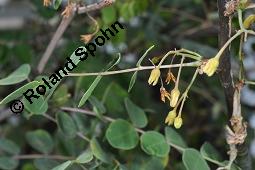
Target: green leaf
column 98, row 106
column 89, row 91
column 141, row 162
column 193, row 160
column 124, row 11
column 80, row 122
column 40, row 140
column 132, row 81
column 154, row 143
column 62, row 166
column 7, row 163
column 210, row 153
column 60, row 97
column 144, row 55
column 109, row 15
column 113, row 63
column 136, row 114
column 122, row 135
column 38, row 107
column 85, row 157
column 9, row 146
column 92, row 87
column 98, row 151
column 19, row 92
column 45, row 164
column 17, row 76
column 56, row 4
column 66, row 124
column 117, row 94
column 173, row 138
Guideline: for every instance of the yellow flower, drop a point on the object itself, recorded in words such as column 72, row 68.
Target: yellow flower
column 211, row 66
column 175, row 93
column 46, row 2
column 248, row 21
column 171, row 117
column 177, row 122
column 155, row 74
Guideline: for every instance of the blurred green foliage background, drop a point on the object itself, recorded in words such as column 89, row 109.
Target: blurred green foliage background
column 26, row 28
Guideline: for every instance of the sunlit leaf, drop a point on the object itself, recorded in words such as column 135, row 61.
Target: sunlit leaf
column 17, row 76
column 85, row 157
column 19, row 92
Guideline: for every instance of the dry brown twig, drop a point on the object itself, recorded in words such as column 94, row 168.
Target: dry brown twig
column 69, row 14
column 236, row 134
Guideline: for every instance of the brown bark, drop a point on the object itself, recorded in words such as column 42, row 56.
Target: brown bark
column 225, row 65
column 243, row 159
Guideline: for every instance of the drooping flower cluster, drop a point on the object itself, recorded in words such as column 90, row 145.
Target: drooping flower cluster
column 175, row 97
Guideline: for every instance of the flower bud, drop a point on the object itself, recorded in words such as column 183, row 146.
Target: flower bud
column 155, row 74
column 175, row 93
column 177, row 122
column 211, row 66
column 170, row 117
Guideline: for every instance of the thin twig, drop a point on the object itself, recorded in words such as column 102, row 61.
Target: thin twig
column 87, row 112
column 95, row 6
column 192, row 64
column 78, row 133
column 58, row 34
column 249, row 82
column 62, row 27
